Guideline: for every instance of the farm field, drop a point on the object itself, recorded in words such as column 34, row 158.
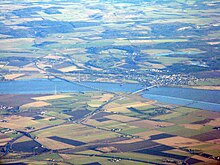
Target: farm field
column 177, row 46
column 61, row 133
column 92, row 82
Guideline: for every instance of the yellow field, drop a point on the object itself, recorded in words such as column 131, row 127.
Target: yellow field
column 105, row 97
column 179, row 141
column 120, row 109
column 146, row 135
column 23, row 139
column 59, row 130
column 92, row 122
column 13, row 76
column 50, row 97
column 75, row 132
column 94, row 103
column 214, row 123
column 114, row 107
column 121, row 118
column 140, row 104
column 70, row 131
column 52, row 144
column 18, row 122
column 4, row 141
column 29, row 67
column 35, row 104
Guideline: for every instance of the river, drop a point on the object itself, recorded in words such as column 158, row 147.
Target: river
column 203, row 99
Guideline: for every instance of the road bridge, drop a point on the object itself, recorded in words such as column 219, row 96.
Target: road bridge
column 144, row 89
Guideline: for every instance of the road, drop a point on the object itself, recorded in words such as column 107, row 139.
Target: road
column 144, row 89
